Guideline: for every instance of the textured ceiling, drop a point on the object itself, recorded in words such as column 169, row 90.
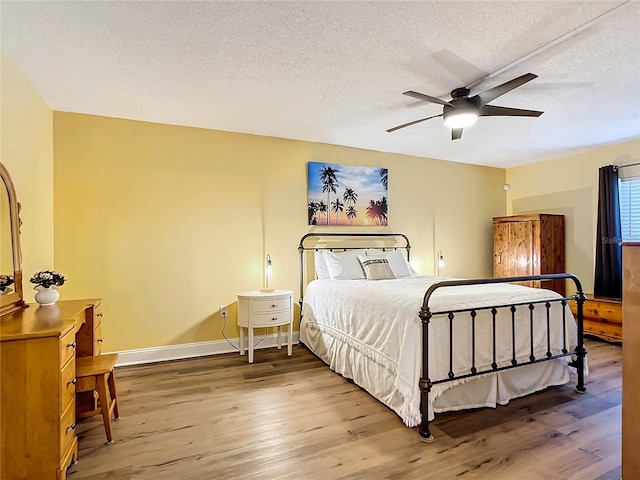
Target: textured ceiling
column 334, row 72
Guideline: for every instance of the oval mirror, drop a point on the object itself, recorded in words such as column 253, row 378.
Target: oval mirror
column 11, row 298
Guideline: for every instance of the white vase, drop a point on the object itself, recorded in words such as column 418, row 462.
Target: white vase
column 47, row 296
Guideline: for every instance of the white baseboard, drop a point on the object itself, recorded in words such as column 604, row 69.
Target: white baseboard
column 192, row 350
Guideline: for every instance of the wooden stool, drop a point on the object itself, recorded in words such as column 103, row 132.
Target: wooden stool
column 96, row 373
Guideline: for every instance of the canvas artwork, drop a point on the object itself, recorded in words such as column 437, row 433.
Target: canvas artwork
column 347, row 194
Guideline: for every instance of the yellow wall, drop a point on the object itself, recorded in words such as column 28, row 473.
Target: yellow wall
column 569, row 185
column 26, row 149
column 166, row 223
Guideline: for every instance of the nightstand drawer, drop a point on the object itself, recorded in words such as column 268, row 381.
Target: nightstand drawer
column 271, row 318
column 271, row 305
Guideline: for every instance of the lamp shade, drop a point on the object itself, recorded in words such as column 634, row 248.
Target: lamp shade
column 460, row 117
column 440, row 262
column 268, row 271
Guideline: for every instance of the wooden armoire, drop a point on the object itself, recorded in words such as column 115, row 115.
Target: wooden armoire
column 529, row 245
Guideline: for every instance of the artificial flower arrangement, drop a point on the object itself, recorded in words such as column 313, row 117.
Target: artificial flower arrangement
column 5, row 281
column 48, row 278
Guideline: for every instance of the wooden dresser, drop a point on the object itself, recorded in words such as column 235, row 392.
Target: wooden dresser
column 529, row 245
column 631, row 361
column 38, row 347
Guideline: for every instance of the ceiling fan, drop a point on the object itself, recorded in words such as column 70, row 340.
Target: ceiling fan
column 462, row 111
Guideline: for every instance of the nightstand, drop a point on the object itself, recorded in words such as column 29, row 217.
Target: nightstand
column 258, row 309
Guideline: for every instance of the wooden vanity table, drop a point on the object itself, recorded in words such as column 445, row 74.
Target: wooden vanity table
column 38, row 348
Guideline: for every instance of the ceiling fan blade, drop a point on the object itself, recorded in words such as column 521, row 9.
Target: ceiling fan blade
column 458, row 67
column 456, row 133
column 491, row 111
column 495, row 92
column 426, row 98
column 411, row 123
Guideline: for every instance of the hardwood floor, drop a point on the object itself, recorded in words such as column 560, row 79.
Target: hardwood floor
column 292, row 418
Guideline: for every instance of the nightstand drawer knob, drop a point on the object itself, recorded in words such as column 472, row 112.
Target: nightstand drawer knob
column 71, row 382
column 100, row 340
column 71, row 427
column 99, row 314
column 71, row 345
column 274, row 319
column 275, row 305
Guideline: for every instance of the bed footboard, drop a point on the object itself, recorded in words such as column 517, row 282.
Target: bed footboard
column 426, row 384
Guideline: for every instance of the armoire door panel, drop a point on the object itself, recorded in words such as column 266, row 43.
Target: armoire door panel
column 531, row 244
column 552, row 245
column 501, row 250
column 521, row 244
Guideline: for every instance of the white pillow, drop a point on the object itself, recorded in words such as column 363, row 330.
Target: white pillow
column 322, row 271
column 397, row 261
column 345, row 265
column 375, row 267
column 413, row 270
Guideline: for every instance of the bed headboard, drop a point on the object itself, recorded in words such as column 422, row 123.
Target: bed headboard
column 312, row 242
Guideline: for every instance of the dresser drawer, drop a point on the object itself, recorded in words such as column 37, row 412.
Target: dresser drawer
column 67, row 385
column 89, row 337
column 97, row 339
column 273, row 305
column 68, row 458
column 67, row 427
column 67, row 346
column 97, row 329
column 97, row 315
column 272, row 318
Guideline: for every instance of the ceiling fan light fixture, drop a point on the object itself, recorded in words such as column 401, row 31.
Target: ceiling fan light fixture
column 462, row 110
column 460, row 118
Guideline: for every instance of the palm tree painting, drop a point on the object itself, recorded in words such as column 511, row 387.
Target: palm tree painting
column 347, row 195
column 352, row 213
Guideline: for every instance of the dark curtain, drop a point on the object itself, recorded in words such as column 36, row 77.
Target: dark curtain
column 608, row 276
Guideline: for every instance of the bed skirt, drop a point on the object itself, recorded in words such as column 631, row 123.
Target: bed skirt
column 351, row 360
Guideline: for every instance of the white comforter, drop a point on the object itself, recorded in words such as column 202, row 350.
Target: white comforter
column 379, row 319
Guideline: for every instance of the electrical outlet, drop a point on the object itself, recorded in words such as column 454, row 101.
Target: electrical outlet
column 224, row 312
